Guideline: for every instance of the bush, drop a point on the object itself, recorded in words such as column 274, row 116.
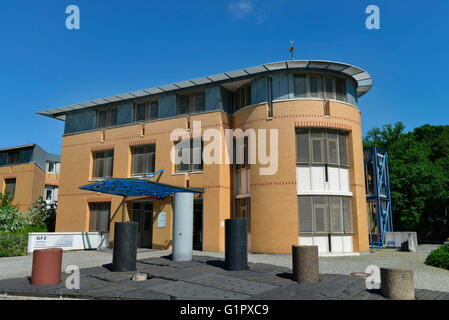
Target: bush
column 439, row 257
column 12, row 220
column 12, row 245
column 43, row 215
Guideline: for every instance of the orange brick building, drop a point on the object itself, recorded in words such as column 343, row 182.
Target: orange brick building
column 316, row 196
column 27, row 172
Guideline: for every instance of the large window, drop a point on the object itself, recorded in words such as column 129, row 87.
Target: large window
column 99, row 216
column 143, row 159
column 325, row 215
column 10, row 186
column 106, row 118
column 103, row 164
column 317, row 86
column 145, row 111
column 191, row 102
column 321, row 146
column 194, row 155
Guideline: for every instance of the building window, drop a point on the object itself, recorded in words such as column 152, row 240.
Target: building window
column 316, row 86
column 52, row 167
column 143, row 159
column 13, row 157
column 241, row 157
column 106, row 118
column 146, row 111
column 191, row 102
column 51, row 194
column 325, row 215
column 340, row 89
column 321, row 146
column 99, row 216
column 103, row 164
column 10, row 186
column 242, row 96
column 193, row 154
column 300, row 86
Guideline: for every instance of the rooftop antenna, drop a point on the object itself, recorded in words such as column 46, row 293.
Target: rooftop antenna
column 292, row 48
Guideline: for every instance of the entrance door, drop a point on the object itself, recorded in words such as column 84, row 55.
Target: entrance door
column 142, row 213
column 244, row 211
column 198, row 224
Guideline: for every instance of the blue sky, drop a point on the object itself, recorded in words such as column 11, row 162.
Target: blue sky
column 129, row 45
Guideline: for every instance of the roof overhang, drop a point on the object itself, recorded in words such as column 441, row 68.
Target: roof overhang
column 360, row 76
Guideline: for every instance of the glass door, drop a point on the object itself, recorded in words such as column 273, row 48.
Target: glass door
column 142, row 213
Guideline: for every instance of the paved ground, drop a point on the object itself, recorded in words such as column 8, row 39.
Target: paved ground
column 203, row 278
column 426, row 277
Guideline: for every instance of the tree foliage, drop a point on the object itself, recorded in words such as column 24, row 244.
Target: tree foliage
column 419, row 176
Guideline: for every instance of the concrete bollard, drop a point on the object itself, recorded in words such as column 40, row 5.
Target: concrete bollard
column 124, row 254
column 236, row 244
column 46, row 266
column 397, row 284
column 305, row 264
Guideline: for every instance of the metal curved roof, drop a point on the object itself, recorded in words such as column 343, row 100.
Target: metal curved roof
column 363, row 79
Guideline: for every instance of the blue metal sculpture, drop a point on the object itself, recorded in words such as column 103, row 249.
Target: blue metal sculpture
column 377, row 195
column 135, row 187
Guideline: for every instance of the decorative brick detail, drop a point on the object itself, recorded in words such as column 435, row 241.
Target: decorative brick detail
column 99, row 200
column 142, row 142
column 273, row 183
column 324, row 124
column 102, row 147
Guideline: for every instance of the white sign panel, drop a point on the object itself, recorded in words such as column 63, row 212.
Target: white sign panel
column 44, row 241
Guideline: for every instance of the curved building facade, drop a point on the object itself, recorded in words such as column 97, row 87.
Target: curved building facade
column 316, row 195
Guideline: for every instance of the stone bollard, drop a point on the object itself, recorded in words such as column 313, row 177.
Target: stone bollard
column 124, row 254
column 305, row 264
column 236, row 244
column 46, row 266
column 397, row 284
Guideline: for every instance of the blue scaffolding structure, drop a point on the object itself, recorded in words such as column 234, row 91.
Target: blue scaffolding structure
column 377, row 195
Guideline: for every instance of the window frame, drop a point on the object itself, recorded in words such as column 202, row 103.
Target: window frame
column 94, row 164
column 324, row 145
column 242, row 96
column 321, row 86
column 192, row 98
column 110, row 122
column 148, row 108
column 91, row 204
column 145, row 153
column 190, row 166
column 346, row 227
column 6, row 186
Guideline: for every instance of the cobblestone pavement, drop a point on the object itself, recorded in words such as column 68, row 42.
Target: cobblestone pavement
column 202, row 278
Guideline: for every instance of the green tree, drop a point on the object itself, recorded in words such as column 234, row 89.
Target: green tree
column 419, row 176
